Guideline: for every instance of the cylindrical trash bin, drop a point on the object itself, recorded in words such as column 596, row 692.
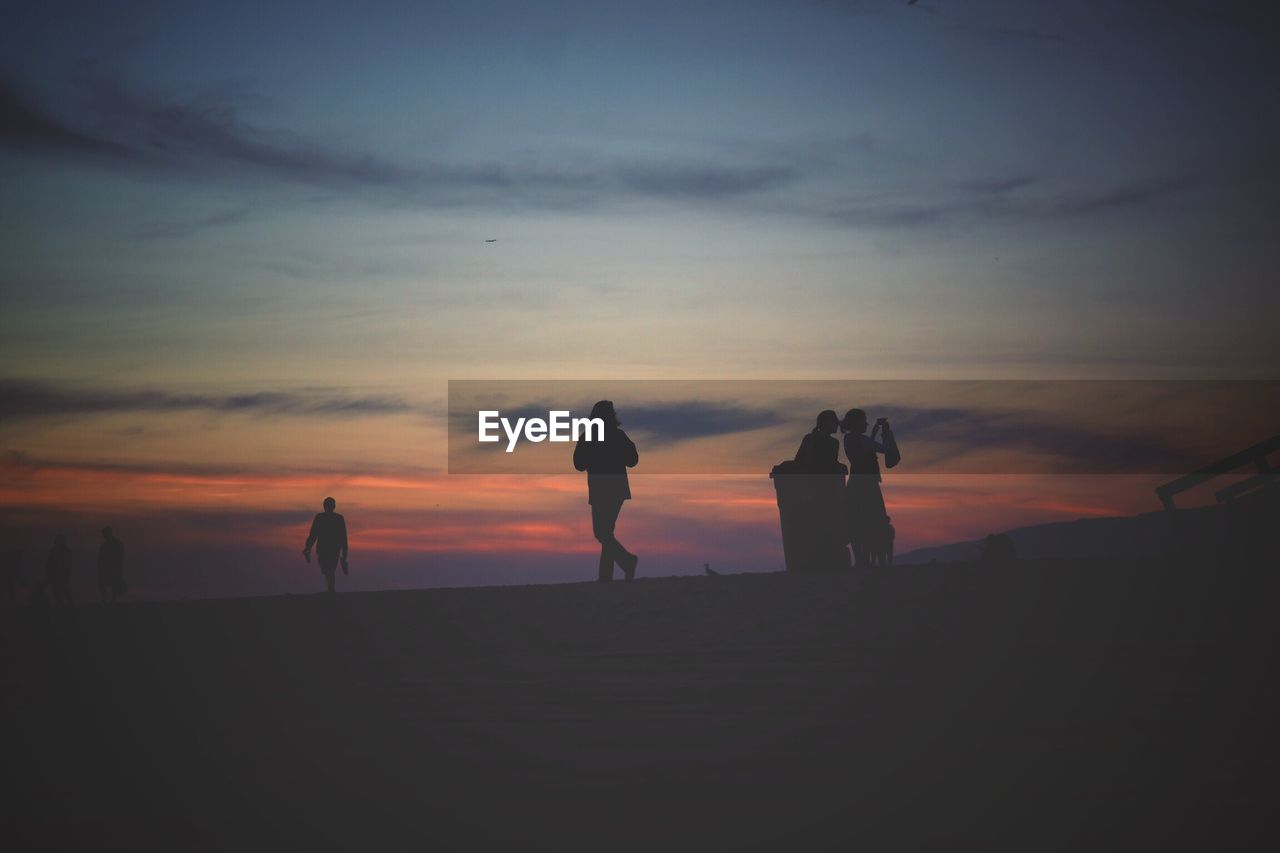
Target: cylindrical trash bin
column 811, row 510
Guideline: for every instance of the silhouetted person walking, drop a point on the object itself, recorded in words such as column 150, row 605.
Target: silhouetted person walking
column 57, row 570
column 606, row 463
column 110, row 566
column 329, row 536
column 863, row 499
column 820, row 450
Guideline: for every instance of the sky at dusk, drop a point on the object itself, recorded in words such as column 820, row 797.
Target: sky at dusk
column 245, row 248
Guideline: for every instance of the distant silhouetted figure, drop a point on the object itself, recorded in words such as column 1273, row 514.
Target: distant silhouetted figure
column 329, row 536
column 110, row 566
column 11, row 576
column 820, row 450
column 57, row 570
column 712, row 573
column 863, row 499
column 606, row 463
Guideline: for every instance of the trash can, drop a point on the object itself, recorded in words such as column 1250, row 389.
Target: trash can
column 811, row 510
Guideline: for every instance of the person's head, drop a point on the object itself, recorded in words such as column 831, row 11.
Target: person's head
column 59, row 539
column 827, row 421
column 855, row 420
column 604, row 411
column 106, row 533
column 329, row 504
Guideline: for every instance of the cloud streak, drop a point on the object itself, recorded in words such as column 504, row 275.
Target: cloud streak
column 207, row 137
column 1012, row 199
column 25, row 400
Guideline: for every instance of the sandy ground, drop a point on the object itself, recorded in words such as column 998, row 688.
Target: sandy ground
column 1041, row 706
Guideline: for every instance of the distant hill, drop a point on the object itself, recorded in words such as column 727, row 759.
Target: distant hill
column 1148, row 534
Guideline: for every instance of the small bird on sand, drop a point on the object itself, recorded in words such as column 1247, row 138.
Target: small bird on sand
column 706, row 567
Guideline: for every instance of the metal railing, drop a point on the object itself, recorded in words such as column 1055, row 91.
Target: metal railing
column 1257, row 455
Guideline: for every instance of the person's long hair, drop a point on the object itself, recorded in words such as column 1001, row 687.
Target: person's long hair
column 852, row 418
column 825, row 418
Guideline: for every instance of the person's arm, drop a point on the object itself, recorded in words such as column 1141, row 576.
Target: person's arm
column 890, row 447
column 311, row 538
column 630, row 456
column 582, row 455
column 342, row 524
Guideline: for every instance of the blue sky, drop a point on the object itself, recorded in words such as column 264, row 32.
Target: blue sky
column 762, row 185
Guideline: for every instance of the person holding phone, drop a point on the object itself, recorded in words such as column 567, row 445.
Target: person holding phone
column 864, row 502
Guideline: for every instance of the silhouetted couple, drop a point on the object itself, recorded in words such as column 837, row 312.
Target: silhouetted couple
column 329, row 536
column 867, row 524
column 606, row 463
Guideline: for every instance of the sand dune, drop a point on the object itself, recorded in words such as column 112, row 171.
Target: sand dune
column 1042, row 706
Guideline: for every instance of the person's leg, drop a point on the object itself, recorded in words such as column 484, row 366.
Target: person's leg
column 329, row 567
column 603, row 518
column 625, row 558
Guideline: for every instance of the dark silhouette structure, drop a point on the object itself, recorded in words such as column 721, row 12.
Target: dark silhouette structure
column 864, row 502
column 110, row 566
column 810, row 491
column 57, row 571
column 11, row 576
column 1243, row 522
column 329, row 536
column 606, row 463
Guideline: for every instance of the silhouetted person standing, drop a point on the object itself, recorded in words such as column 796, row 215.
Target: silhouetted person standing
column 329, row 536
column 57, row 570
column 863, row 499
column 606, row 463
column 110, row 566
